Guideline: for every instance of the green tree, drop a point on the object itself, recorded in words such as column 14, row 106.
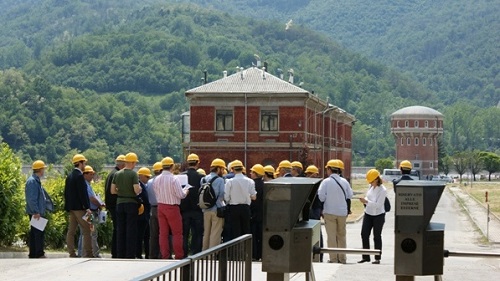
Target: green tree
column 11, row 195
column 385, row 163
column 491, row 162
column 460, row 162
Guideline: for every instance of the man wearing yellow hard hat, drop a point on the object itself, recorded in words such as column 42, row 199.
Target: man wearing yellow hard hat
column 126, row 185
column 38, row 202
column 154, row 227
column 144, row 215
column 192, row 216
column 405, row 167
column 110, row 199
column 77, row 204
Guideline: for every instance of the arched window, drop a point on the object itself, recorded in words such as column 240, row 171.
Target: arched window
column 416, row 141
column 408, row 141
column 407, row 124
column 426, row 124
column 416, row 124
column 397, row 124
column 402, row 142
column 424, row 141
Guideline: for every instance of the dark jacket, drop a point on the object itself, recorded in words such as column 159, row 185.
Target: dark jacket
column 190, row 203
column 145, row 201
column 257, row 205
column 75, row 192
column 110, row 199
column 404, row 177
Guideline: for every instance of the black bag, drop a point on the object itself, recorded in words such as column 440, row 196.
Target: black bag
column 221, row 212
column 206, row 194
column 347, row 200
column 387, row 205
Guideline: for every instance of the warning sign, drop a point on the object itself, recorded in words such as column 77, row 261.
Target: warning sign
column 409, row 201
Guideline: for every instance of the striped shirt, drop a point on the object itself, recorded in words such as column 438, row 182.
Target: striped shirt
column 168, row 189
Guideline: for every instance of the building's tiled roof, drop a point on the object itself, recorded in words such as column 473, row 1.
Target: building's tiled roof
column 251, row 80
column 416, row 110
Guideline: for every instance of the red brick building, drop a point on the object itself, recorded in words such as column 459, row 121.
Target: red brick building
column 256, row 117
column 416, row 130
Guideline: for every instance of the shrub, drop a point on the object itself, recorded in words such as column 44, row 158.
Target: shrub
column 11, row 196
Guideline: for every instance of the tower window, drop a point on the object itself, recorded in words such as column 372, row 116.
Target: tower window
column 416, row 141
column 416, row 124
column 408, row 141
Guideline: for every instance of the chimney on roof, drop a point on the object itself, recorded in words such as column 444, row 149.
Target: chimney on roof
column 265, row 66
column 290, row 77
column 224, row 73
column 205, row 77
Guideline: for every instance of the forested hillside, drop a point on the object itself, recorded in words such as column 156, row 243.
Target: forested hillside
column 105, row 77
column 450, row 46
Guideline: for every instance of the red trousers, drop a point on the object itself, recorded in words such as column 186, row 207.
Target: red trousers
column 170, row 221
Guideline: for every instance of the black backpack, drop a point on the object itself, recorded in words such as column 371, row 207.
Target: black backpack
column 206, row 194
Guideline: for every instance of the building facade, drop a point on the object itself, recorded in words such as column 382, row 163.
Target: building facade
column 256, row 117
column 416, row 130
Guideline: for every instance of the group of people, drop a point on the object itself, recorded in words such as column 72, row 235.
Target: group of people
column 159, row 215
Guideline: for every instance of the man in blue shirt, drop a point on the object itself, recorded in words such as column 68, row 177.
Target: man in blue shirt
column 37, row 203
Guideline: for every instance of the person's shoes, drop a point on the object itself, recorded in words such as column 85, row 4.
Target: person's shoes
column 73, row 256
column 42, row 257
column 376, row 262
column 330, row 261
column 363, row 261
column 343, row 262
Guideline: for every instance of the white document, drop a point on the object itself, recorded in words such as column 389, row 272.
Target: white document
column 183, row 179
column 99, row 199
column 39, row 223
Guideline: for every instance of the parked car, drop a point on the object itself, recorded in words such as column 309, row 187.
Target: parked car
column 444, row 178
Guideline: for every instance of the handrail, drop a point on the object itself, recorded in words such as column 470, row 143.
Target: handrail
column 231, row 260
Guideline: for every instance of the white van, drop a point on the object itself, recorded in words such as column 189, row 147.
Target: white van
column 388, row 175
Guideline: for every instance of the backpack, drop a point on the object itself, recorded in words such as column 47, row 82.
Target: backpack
column 387, row 205
column 206, row 194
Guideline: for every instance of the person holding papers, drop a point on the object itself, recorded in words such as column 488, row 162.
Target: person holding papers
column 38, row 202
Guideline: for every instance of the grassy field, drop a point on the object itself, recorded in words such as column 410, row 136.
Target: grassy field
column 478, row 190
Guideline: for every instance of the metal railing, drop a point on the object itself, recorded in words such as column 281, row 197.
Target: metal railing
column 230, row 261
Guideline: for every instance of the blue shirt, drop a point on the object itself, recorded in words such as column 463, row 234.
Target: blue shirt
column 218, row 186
column 151, row 192
column 91, row 194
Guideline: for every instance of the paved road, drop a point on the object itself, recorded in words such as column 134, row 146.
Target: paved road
column 460, row 235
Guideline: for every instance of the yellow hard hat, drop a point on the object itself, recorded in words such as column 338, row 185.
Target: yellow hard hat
column 285, row 164
column 297, row 164
column 269, row 169
column 131, row 157
column 78, row 157
column 236, row 163
column 144, row 171
column 88, row 169
column 217, row 162
column 311, row 169
column 193, row 157
column 334, row 163
column 341, row 164
column 258, row 169
column 141, row 209
column 120, row 157
column 167, row 161
column 38, row 164
column 405, row 164
column 372, row 175
column 157, row 166
column 201, row 171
